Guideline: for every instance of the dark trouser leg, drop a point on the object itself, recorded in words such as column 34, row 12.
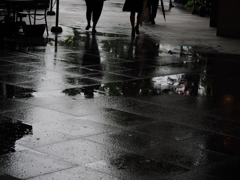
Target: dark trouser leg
column 155, row 4
column 150, row 10
column 89, row 14
column 97, row 13
column 132, row 21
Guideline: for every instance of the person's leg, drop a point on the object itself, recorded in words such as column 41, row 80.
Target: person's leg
column 132, row 21
column 170, row 3
column 96, row 14
column 88, row 14
column 150, row 9
column 138, row 22
column 154, row 11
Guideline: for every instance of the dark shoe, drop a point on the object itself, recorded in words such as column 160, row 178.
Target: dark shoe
column 153, row 21
column 94, row 31
column 171, row 5
column 87, row 28
column 137, row 30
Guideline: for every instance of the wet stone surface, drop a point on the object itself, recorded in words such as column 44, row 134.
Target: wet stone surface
column 110, row 107
column 129, row 141
column 79, row 172
column 132, row 166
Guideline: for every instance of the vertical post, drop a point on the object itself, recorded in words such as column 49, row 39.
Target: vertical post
column 214, row 13
column 51, row 12
column 57, row 29
column 228, row 18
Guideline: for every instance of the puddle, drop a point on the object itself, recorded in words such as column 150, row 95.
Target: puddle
column 182, row 84
column 142, row 165
column 113, row 65
column 10, row 131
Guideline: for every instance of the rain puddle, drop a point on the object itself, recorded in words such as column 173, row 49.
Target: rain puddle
column 10, row 131
column 142, row 165
column 113, row 65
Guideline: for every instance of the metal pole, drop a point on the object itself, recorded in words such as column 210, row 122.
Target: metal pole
column 56, row 28
column 51, row 12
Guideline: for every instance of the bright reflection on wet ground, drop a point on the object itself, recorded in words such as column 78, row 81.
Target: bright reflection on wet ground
column 108, row 106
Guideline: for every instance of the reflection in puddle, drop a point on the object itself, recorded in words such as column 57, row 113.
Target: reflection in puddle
column 182, row 84
column 141, row 164
column 111, row 64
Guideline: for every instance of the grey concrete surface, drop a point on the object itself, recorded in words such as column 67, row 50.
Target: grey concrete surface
column 164, row 105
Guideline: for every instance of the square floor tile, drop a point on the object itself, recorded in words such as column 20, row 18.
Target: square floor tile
column 28, row 163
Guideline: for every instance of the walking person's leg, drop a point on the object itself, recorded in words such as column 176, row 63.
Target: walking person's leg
column 149, row 3
column 132, row 21
column 88, row 14
column 154, row 10
column 96, row 14
column 138, row 23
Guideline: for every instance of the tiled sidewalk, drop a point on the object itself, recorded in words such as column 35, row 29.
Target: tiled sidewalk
column 78, row 106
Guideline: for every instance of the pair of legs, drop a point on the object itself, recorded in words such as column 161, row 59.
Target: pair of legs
column 135, row 28
column 93, row 12
column 153, row 6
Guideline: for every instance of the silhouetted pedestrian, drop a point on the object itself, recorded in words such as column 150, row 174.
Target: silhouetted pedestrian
column 134, row 6
column 93, row 12
column 153, row 6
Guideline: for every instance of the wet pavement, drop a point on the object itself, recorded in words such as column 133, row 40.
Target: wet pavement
column 164, row 105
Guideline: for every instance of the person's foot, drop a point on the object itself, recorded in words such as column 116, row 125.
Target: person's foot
column 137, row 30
column 87, row 27
column 152, row 21
column 94, row 31
column 171, row 5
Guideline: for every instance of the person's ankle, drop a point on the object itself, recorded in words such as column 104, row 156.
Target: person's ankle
column 87, row 27
column 137, row 30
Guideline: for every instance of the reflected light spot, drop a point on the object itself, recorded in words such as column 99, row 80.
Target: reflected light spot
column 228, row 99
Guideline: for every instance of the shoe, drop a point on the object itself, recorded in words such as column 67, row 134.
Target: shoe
column 94, row 31
column 137, row 30
column 153, row 21
column 171, row 5
column 87, row 28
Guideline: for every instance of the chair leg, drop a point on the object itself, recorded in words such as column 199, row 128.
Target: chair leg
column 46, row 23
column 29, row 18
column 35, row 12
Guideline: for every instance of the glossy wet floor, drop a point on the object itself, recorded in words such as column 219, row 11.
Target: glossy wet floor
column 77, row 106
column 98, row 107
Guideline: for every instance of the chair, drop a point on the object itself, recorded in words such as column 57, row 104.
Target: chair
column 35, row 10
